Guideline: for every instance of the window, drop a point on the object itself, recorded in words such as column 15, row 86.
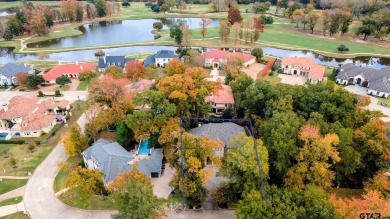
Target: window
column 108, row 64
column 119, row 64
column 113, row 63
column 225, row 105
column 27, row 133
column 377, row 93
column 163, row 60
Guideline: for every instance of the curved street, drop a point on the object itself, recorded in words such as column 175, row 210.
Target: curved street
column 39, row 199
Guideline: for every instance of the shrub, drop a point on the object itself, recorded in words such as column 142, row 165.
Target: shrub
column 38, row 143
column 31, row 147
column 81, row 163
column 63, row 166
column 57, row 93
column 40, row 94
column 271, row 73
column 11, row 142
column 13, row 161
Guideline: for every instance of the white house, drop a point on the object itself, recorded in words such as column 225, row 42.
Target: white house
column 216, row 58
column 30, row 117
column 160, row 59
column 303, row 67
column 8, row 73
column 376, row 80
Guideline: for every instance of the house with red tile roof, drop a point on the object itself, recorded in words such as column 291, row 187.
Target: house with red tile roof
column 304, row 67
column 70, row 70
column 31, row 116
column 221, row 99
column 216, row 58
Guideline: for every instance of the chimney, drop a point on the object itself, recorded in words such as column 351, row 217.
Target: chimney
column 77, row 62
column 5, row 107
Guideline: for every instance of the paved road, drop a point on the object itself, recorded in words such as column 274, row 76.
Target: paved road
column 39, row 199
column 5, row 96
column 374, row 101
column 10, row 209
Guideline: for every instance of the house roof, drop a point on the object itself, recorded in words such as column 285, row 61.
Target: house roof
column 164, row 54
column 219, row 131
column 112, row 159
column 349, row 70
column 10, row 70
column 139, row 85
column 220, row 54
column 32, row 111
column 382, row 85
column 59, row 70
column 222, row 96
column 149, row 60
column 315, row 71
column 118, row 61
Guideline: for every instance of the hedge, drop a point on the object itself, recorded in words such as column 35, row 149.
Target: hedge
column 12, row 142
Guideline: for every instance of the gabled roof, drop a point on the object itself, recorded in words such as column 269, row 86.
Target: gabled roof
column 110, row 157
column 153, row 164
column 382, row 85
column 219, row 131
column 220, row 54
column 164, row 54
column 315, row 71
column 118, row 61
column 59, row 70
column 10, row 70
column 349, row 70
column 222, row 96
column 149, row 60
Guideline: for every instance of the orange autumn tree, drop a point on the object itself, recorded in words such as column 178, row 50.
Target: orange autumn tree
column 313, row 159
column 175, row 66
column 127, row 176
column 371, row 202
column 108, row 90
column 188, row 91
column 135, row 70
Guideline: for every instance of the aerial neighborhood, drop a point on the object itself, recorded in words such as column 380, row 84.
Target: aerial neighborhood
column 195, row 109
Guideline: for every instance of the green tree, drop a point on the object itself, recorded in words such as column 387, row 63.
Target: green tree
column 342, row 48
column 87, row 181
column 239, row 86
column 7, row 35
column 86, row 75
column 240, row 164
column 123, row 133
column 15, row 26
column 164, row 8
column 228, row 78
column 34, row 81
column 62, row 80
column 136, row 200
column 125, row 3
column 228, row 113
column 252, row 206
column 101, row 7
column 114, row 71
column 79, row 12
column 258, row 53
column 75, row 142
column 176, row 33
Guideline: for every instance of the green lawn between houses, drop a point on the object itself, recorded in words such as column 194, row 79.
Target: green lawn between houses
column 11, row 201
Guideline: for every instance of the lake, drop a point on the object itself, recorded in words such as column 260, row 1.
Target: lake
column 117, row 32
column 6, row 55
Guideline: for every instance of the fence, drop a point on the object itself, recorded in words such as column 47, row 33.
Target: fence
column 267, row 68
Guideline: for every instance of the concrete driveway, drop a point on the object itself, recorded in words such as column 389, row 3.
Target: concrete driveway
column 161, row 186
column 253, row 70
column 374, row 101
column 292, row 79
column 71, row 96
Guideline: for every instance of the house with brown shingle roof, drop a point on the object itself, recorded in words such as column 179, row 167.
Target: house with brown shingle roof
column 303, row 67
column 216, row 58
column 221, row 99
column 31, row 116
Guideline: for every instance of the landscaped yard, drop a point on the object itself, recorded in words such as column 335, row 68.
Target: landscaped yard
column 7, row 185
column 11, row 201
column 17, row 3
column 27, row 160
column 59, row 182
column 17, row 215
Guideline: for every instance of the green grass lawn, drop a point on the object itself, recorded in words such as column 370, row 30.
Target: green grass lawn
column 7, row 185
column 4, row 5
column 274, row 78
column 17, row 215
column 84, row 84
column 60, row 180
column 11, row 201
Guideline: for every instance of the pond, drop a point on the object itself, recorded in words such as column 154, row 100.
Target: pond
column 6, row 55
column 117, row 32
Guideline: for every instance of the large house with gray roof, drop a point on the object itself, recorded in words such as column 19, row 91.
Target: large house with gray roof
column 118, row 61
column 377, row 81
column 223, row 132
column 8, row 73
column 160, row 59
column 112, row 159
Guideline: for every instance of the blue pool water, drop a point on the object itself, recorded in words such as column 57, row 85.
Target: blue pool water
column 3, row 136
column 144, row 148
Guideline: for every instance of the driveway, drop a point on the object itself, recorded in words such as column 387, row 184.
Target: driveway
column 253, row 70
column 291, row 79
column 374, row 101
column 71, row 96
column 161, row 186
column 49, row 88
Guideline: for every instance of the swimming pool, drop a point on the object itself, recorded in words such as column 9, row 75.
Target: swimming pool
column 144, row 148
column 3, row 136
